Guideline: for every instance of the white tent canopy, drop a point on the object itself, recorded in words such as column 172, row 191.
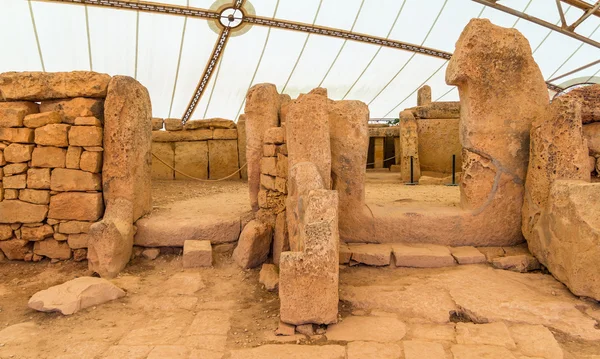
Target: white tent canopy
column 168, row 53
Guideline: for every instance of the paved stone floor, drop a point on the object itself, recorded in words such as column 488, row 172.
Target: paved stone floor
column 222, row 312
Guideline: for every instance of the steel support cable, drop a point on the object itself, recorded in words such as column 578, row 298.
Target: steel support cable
column 591, row 77
column 87, row 29
column 416, row 89
column 262, row 53
column 137, row 37
column 343, row 44
column 302, row 50
column 411, row 56
column 196, row 178
column 574, row 52
column 376, row 52
column 37, row 39
column 178, row 61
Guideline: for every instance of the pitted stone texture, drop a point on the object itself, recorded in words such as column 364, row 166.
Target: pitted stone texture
column 588, row 97
column 254, row 244
column 49, row 157
column 126, row 174
column 15, row 153
column 422, row 255
column 261, row 113
column 409, row 147
column 52, row 249
column 78, row 206
column 37, row 233
column 37, row 86
column 197, row 254
column 12, row 114
column 190, row 158
column 72, row 108
column 212, row 123
column 91, row 161
column 377, row 329
column 74, row 295
column 63, row 179
column 54, row 134
column 591, row 132
column 173, row 124
column 157, row 124
column 13, row 211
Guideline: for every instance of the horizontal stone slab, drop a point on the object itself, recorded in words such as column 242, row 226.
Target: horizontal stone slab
column 13, row 211
column 170, row 232
column 209, row 123
column 393, row 131
column 176, row 136
column 450, row 109
column 38, row 86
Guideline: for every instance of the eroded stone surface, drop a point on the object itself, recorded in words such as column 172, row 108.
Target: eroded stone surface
column 254, row 244
column 377, row 329
column 37, row 86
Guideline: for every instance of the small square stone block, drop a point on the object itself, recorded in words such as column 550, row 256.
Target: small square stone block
column 197, row 254
column 467, row 255
column 422, row 255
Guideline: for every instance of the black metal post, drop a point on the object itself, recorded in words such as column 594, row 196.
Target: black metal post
column 412, row 174
column 453, row 172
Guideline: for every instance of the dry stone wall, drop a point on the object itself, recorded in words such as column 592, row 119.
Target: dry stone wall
column 205, row 149
column 51, row 152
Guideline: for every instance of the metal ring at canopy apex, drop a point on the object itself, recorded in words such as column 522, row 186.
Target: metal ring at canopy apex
column 231, row 17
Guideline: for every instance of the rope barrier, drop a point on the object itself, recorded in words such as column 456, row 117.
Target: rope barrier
column 196, row 178
column 387, row 159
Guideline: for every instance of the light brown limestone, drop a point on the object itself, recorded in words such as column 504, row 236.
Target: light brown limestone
column 90, row 161
column 409, row 147
column 222, row 159
column 14, row 182
column 12, row 114
column 42, row 119
column 177, row 136
column 190, row 158
column 173, row 124
column 63, row 179
column 85, row 136
column 438, row 141
column 197, row 254
column 254, row 245
column 212, row 123
column 241, row 127
column 16, row 168
column 424, row 95
column 53, row 157
column 72, row 108
column 52, row 249
column 13, row 211
column 73, row 157
column 38, row 178
column 37, row 86
column 37, row 233
column 166, row 152
column 17, row 135
column 78, row 206
column 34, row 196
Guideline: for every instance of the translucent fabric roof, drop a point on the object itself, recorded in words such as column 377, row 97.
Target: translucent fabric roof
column 168, row 53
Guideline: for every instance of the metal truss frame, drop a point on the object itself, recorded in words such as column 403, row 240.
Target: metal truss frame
column 168, row 9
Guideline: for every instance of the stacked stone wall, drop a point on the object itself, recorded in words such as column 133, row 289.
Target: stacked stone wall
column 205, row 149
column 51, row 152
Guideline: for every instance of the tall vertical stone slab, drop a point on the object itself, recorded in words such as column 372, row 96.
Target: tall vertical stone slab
column 378, row 152
column 262, row 113
column 223, row 159
column 424, row 96
column 241, row 128
column 166, row 152
column 126, row 174
column 191, row 158
column 409, row 147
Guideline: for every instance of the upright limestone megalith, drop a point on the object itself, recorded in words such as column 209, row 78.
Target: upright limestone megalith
column 261, row 113
column 125, row 174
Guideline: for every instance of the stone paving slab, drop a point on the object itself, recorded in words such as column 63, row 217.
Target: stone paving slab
column 432, row 332
column 489, row 334
column 462, row 351
column 210, row 322
column 467, row 255
column 127, row 351
column 169, row 351
column 417, row 349
column 536, row 341
column 377, row 329
column 422, row 255
column 372, row 350
column 371, row 254
column 272, row 351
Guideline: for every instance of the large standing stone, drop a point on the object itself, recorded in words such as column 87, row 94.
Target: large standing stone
column 72, row 108
column 12, row 114
column 409, row 147
column 424, row 96
column 166, row 152
column 589, row 97
column 191, row 158
column 223, row 159
column 78, row 206
column 37, row 86
column 13, row 211
column 74, row 295
column 254, row 244
column 591, row 132
column 241, row 128
column 125, row 174
column 262, row 113
column 438, row 141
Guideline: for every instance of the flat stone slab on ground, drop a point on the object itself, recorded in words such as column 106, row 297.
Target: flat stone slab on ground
column 186, row 283
column 462, row 351
column 377, row 329
column 422, row 255
column 432, row 332
column 517, row 263
column 489, row 334
column 271, row 351
column 76, row 294
column 467, row 255
column 536, row 341
column 372, row 350
column 371, row 254
column 197, row 254
column 418, row 349
column 345, row 253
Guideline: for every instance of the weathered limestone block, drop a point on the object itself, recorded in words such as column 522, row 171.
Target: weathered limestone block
column 38, row 178
column 157, row 124
column 14, row 169
column 52, row 249
column 225, row 134
column 275, row 135
column 269, row 277
column 34, row 196
column 73, row 157
column 13, row 211
column 16, row 249
column 424, row 96
column 16, row 153
column 284, row 102
column 12, row 114
column 6, row 232
column 261, row 113
column 558, row 151
column 282, row 166
column 37, row 86
column 52, row 135
column 63, row 179
column 269, row 150
column 254, row 244
column 42, row 119
column 166, row 152
column 91, row 161
column 18, row 135
column 54, row 157
column 72, row 108
column 267, row 182
column 307, row 134
column 125, row 175
column 74, row 227
column 178, row 136
column 197, row 254
column 409, row 147
column 588, row 97
column 308, row 280
column 37, row 233
column 85, row 136
column 371, row 254
column 378, row 152
column 591, row 132
column 438, row 110
column 241, row 128
column 268, row 165
column 87, row 121
column 223, row 159
column 78, row 206
column 10, row 193
column 281, row 241
column 212, row 123
column 173, row 232
column 173, row 124
column 438, row 141
column 191, row 158
column 78, row 240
